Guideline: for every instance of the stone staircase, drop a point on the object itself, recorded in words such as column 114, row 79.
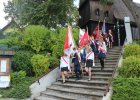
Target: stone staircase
column 84, row 89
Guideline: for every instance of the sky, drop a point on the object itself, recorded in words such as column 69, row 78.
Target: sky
column 4, row 22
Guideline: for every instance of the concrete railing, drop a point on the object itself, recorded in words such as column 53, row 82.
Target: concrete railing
column 44, row 82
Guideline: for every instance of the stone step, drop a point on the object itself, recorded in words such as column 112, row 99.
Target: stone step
column 74, row 88
column 103, row 70
column 113, row 52
column 86, row 82
column 108, row 60
column 111, row 58
column 85, row 77
column 79, row 92
column 81, row 86
column 99, row 66
column 116, row 48
column 45, row 98
column 56, row 94
column 66, row 94
column 107, row 63
column 101, row 74
column 98, row 74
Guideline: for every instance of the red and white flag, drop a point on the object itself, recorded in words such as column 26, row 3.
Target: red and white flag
column 69, row 41
column 96, row 32
column 84, row 40
column 81, row 34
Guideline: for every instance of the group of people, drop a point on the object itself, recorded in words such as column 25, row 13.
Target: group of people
column 84, row 57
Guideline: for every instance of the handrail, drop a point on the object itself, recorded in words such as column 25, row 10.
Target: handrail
column 107, row 89
column 37, row 80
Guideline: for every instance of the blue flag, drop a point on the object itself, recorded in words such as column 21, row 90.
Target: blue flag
column 104, row 27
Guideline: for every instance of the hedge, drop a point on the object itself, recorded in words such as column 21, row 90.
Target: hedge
column 126, row 89
column 130, row 67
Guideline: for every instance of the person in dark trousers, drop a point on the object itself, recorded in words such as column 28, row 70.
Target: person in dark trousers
column 101, row 55
column 94, row 45
column 76, row 65
column 80, row 61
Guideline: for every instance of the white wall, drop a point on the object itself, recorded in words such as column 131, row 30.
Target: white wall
column 45, row 82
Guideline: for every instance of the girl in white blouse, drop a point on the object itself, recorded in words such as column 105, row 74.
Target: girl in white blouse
column 89, row 62
column 64, row 66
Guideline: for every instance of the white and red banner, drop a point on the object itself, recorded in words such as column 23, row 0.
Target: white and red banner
column 84, row 39
column 96, row 32
column 69, row 41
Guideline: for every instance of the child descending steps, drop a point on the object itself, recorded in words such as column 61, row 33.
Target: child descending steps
column 64, row 66
column 89, row 62
column 101, row 55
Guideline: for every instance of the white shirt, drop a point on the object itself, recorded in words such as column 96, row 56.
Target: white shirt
column 79, row 56
column 104, row 46
column 90, row 55
column 65, row 62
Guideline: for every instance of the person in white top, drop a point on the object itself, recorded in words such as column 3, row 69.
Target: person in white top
column 104, row 46
column 64, row 66
column 89, row 62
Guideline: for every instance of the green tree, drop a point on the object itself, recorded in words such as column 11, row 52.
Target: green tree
column 50, row 13
column 35, row 38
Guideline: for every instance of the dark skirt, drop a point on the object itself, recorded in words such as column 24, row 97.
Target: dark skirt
column 89, row 63
column 64, row 69
column 110, row 40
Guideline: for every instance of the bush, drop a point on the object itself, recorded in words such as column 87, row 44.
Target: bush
column 54, row 62
column 126, row 89
column 22, row 61
column 17, row 77
column 19, row 91
column 40, row 64
column 132, row 50
column 130, row 67
column 35, row 38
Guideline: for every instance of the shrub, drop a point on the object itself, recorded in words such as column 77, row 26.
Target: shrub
column 54, row 62
column 35, row 38
column 40, row 64
column 17, row 77
column 22, row 61
column 130, row 67
column 126, row 89
column 132, row 50
column 19, row 91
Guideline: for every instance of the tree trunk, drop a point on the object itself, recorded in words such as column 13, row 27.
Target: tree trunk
column 135, row 11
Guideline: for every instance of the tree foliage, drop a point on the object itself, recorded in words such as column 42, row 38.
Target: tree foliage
column 35, row 38
column 50, row 13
